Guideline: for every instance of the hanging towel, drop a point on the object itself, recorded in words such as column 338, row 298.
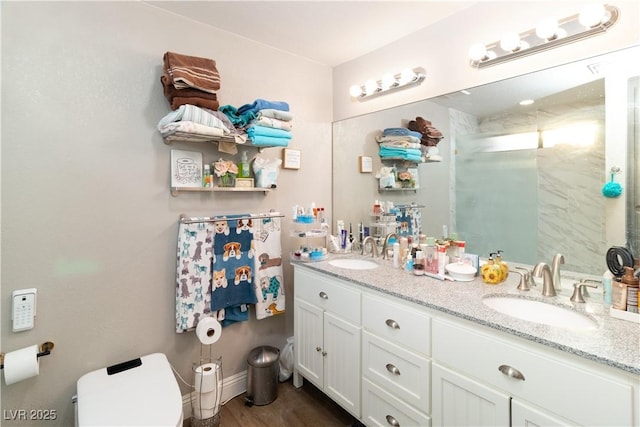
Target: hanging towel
column 232, row 274
column 269, row 282
column 192, row 72
column 261, row 104
column 193, row 275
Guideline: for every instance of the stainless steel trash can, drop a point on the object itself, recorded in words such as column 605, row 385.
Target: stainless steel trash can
column 262, row 377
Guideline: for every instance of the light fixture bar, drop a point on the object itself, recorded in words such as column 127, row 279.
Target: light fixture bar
column 569, row 30
column 389, row 83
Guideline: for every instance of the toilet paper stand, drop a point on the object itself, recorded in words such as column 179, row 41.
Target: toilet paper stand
column 45, row 350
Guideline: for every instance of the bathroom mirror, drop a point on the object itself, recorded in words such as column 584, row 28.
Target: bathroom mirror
column 523, row 179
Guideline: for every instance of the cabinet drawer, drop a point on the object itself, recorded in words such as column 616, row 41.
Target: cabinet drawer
column 402, row 373
column 328, row 294
column 398, row 323
column 550, row 381
column 383, row 409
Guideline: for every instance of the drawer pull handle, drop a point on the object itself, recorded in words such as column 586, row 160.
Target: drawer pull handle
column 323, row 295
column 393, row 369
column 392, row 421
column 511, row 372
column 318, row 349
column 392, row 324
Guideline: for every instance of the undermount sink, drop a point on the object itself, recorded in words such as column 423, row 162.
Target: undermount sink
column 354, row 264
column 540, row 312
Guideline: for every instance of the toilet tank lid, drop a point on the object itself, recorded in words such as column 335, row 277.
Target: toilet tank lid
column 140, row 392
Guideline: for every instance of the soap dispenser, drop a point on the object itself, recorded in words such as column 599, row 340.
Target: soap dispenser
column 490, row 271
column 504, row 267
column 243, row 169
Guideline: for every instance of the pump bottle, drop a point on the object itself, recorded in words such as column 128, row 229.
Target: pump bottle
column 243, row 169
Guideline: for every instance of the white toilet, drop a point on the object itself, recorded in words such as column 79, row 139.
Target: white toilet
column 139, row 392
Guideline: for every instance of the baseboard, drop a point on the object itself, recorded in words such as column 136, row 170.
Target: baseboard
column 232, row 386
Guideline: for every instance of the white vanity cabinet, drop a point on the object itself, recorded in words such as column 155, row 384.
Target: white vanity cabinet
column 487, row 375
column 396, row 365
column 327, row 337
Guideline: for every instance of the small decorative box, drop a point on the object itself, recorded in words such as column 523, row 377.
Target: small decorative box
column 244, row 182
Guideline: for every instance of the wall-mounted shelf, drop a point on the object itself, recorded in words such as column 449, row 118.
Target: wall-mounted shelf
column 397, row 189
column 194, row 137
column 176, row 190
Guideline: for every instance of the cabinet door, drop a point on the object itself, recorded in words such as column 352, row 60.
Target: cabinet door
column 309, row 345
column 460, row 401
column 524, row 415
column 342, row 362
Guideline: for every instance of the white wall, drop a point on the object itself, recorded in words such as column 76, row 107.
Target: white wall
column 87, row 216
column 442, row 49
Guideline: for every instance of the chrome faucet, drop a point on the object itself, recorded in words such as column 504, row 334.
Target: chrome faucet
column 555, row 271
column 374, row 247
column 542, row 270
column 385, row 245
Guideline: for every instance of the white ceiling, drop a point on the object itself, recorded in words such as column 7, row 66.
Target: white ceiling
column 328, row 32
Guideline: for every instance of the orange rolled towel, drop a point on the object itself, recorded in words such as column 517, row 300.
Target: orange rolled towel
column 192, row 72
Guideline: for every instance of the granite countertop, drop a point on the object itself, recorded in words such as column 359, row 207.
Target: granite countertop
column 613, row 342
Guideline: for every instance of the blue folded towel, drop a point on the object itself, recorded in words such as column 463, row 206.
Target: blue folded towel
column 262, row 104
column 257, row 130
column 400, row 132
column 401, row 153
column 269, row 141
column 238, row 119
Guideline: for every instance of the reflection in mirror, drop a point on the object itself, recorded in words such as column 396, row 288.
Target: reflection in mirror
column 523, row 179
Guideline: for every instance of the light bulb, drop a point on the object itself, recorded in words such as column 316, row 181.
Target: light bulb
column 388, row 81
column 407, row 76
column 547, row 29
column 510, row 42
column 593, row 15
column 477, row 52
column 355, row 91
column 370, row 87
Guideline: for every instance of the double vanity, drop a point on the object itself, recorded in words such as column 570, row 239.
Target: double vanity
column 396, row 349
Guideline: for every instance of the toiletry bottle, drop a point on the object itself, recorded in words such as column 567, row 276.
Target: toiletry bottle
column 491, row 272
column 396, row 255
column 461, row 244
column 607, row 279
column 243, row 167
column 442, row 258
column 431, row 257
column 504, row 267
column 207, row 179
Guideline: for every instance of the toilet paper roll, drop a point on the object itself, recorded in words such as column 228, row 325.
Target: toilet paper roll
column 204, row 405
column 21, row 364
column 206, row 378
column 208, row 330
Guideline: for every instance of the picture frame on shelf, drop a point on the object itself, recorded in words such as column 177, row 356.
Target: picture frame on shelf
column 186, row 169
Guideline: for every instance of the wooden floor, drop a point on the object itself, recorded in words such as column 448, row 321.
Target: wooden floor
column 306, row 406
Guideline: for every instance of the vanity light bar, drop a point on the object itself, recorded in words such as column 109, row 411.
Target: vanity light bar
column 388, row 83
column 546, row 36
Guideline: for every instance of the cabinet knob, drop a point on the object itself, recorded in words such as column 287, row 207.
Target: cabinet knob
column 324, row 353
column 392, row 421
column 392, row 324
column 318, row 349
column 323, row 295
column 393, row 369
column 511, row 372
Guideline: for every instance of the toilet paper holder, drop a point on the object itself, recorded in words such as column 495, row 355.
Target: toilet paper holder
column 45, row 350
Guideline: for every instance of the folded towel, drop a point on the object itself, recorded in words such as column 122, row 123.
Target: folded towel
column 238, row 120
column 210, row 104
column 261, row 104
column 398, row 139
column 170, row 91
column 269, row 141
column 191, row 113
column 401, row 144
column 192, row 71
column 255, row 130
column 400, row 132
column 190, row 127
column 401, row 153
column 270, row 122
column 276, row 114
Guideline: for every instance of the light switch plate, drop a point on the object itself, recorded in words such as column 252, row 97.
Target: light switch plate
column 23, row 310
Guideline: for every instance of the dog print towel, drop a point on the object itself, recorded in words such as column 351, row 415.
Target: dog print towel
column 269, row 283
column 232, row 274
column 193, row 276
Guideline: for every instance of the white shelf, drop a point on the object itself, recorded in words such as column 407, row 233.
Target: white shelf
column 176, row 190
